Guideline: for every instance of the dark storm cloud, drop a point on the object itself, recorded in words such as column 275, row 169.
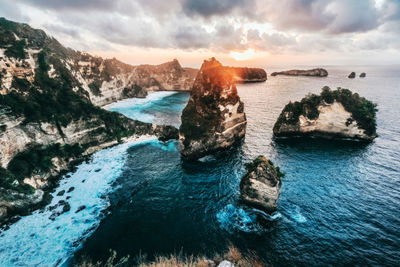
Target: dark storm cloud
column 208, row 8
column 73, row 4
column 331, row 16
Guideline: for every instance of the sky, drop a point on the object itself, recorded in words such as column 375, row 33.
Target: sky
column 237, row 32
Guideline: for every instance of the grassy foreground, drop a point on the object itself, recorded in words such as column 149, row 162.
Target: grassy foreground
column 177, row 260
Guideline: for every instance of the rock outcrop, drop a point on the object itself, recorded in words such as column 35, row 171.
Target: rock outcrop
column 261, row 185
column 314, row 72
column 352, row 75
column 110, row 80
column 363, row 75
column 47, row 118
column 214, row 117
column 249, row 75
column 338, row 114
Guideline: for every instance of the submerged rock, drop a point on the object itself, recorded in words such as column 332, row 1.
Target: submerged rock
column 314, row 72
column 352, row 75
column 261, row 185
column 214, row 117
column 363, row 75
column 338, row 114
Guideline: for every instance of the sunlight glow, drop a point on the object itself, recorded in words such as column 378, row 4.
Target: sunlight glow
column 245, row 55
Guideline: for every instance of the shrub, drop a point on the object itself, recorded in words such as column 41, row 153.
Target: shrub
column 9, row 181
column 95, row 87
column 39, row 159
column 251, row 166
column 16, row 50
column 21, row 84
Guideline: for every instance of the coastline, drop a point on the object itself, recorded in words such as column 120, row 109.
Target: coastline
column 54, row 180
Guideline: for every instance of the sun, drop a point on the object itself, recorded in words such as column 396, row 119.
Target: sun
column 245, row 55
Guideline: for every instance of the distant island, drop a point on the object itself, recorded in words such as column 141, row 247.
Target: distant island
column 313, row 72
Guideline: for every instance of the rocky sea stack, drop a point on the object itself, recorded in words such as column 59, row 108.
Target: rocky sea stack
column 214, row 117
column 314, row 72
column 261, row 185
column 363, row 75
column 337, row 114
column 352, row 75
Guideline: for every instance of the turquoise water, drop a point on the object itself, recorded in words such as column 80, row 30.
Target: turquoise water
column 339, row 203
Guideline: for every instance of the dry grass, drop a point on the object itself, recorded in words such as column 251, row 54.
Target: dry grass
column 178, row 260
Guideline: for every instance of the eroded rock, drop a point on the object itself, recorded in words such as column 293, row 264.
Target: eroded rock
column 338, row 114
column 260, row 186
column 214, row 117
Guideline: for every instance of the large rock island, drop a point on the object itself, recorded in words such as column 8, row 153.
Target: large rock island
column 261, row 185
column 214, row 117
column 314, row 72
column 337, row 114
column 48, row 117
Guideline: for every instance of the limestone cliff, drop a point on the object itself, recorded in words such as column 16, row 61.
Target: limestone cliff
column 313, row 72
column 214, row 117
column 109, row 80
column 331, row 115
column 47, row 116
column 261, row 185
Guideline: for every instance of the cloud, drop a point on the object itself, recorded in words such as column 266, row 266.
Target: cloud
column 219, row 26
column 209, row 8
column 330, row 16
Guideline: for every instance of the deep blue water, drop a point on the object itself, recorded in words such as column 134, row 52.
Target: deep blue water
column 339, row 203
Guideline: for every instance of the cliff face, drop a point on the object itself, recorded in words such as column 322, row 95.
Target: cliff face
column 333, row 114
column 110, row 80
column 314, row 72
column 47, row 116
column 261, row 185
column 214, row 117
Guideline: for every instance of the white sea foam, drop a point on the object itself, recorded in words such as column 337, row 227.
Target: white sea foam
column 133, row 102
column 135, row 108
column 234, row 218
column 36, row 240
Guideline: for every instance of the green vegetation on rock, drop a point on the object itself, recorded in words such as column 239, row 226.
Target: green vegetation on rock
column 95, row 87
column 17, row 50
column 250, row 166
column 38, row 159
column 9, row 181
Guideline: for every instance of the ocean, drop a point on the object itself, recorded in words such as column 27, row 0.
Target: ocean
column 339, row 202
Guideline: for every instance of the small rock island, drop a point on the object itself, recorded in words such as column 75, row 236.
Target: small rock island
column 337, row 114
column 363, row 75
column 249, row 75
column 214, row 117
column 261, row 185
column 314, row 72
column 352, row 75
